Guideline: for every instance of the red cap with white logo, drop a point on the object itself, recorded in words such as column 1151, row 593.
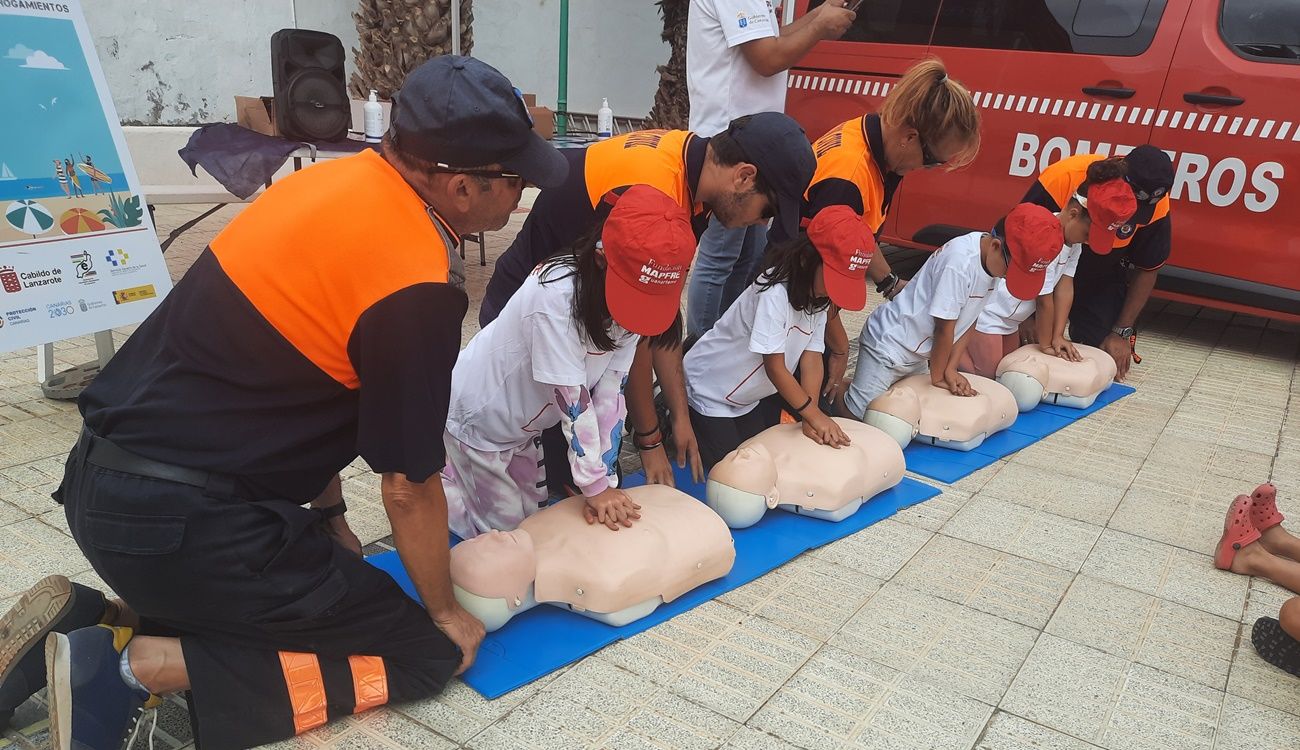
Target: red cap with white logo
column 1034, row 239
column 648, row 246
column 846, row 247
column 1110, row 205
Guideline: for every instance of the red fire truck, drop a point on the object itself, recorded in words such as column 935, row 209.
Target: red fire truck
column 1215, row 83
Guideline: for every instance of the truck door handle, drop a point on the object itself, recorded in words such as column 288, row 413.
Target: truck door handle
column 1116, row 93
column 1193, row 97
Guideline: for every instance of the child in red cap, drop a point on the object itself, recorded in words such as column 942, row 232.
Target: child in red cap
column 929, row 322
column 1103, row 204
column 559, row 353
column 776, row 325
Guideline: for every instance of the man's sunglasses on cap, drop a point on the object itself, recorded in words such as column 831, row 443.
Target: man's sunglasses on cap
column 516, row 180
column 1145, row 196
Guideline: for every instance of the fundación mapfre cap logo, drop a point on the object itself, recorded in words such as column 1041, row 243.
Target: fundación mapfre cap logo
column 654, row 273
column 1040, row 265
column 859, row 259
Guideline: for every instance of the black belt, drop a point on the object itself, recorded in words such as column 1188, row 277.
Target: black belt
column 104, row 454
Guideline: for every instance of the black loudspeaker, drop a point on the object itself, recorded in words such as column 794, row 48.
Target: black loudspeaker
column 311, row 101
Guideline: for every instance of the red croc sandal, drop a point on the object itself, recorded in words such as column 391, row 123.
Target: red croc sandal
column 1263, row 510
column 1238, row 532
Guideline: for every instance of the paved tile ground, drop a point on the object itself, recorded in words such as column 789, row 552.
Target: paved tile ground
column 1062, row 599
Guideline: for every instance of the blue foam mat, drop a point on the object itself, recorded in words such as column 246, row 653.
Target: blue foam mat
column 546, row 638
column 947, row 465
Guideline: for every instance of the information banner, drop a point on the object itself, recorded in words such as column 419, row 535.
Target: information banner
column 78, row 250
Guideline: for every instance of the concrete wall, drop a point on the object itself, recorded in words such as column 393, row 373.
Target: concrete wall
column 181, row 62
column 614, row 47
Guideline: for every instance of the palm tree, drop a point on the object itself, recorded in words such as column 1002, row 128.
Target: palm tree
column 395, row 36
column 672, row 102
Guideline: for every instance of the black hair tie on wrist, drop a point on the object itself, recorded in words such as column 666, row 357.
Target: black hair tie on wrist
column 647, row 433
column 806, row 404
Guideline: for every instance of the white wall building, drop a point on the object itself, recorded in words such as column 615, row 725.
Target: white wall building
column 181, row 62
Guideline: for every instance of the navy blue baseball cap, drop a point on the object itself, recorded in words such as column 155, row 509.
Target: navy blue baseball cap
column 779, row 148
column 1151, row 175
column 461, row 112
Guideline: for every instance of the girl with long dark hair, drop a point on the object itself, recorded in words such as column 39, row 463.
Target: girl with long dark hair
column 776, row 325
column 559, row 353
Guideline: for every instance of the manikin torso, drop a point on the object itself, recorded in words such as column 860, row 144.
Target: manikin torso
column 781, row 467
column 556, row 557
column 1034, row 377
column 914, row 408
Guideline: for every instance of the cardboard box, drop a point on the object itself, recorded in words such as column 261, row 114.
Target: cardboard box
column 257, row 113
column 543, row 121
column 543, row 117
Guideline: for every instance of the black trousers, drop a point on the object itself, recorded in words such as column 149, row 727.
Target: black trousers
column 282, row 629
column 1097, row 305
column 718, row 436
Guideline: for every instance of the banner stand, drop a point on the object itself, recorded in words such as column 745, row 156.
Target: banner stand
column 68, row 385
column 79, row 253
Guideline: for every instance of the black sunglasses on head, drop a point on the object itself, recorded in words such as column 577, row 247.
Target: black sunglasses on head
column 928, row 159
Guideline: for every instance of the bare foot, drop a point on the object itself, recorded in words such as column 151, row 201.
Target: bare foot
column 1251, row 559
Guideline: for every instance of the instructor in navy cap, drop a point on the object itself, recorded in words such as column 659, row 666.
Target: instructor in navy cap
column 320, row 325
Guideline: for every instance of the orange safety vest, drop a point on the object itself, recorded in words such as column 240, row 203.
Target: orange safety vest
column 321, row 246
column 843, row 153
column 646, row 157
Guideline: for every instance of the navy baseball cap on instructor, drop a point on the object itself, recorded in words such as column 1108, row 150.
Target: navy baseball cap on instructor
column 1151, row 175
column 779, row 148
column 461, row 112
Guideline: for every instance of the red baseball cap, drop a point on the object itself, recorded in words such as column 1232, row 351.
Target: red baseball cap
column 846, row 247
column 1110, row 205
column 1033, row 240
column 648, row 246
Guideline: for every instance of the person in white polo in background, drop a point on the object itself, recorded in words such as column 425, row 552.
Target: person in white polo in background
column 736, row 61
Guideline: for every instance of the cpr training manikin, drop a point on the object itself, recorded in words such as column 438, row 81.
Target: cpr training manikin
column 915, row 408
column 1034, row 377
column 781, row 468
column 616, row 577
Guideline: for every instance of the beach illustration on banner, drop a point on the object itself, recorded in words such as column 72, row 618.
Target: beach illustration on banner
column 59, row 169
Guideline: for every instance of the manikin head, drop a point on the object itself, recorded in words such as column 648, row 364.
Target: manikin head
column 897, row 413
column 496, row 565
column 1026, row 377
column 742, row 486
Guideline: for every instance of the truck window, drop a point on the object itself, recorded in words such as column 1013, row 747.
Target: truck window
column 1267, row 30
column 1090, row 27
column 891, row 21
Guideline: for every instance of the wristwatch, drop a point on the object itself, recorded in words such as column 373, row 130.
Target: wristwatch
column 887, row 283
column 1125, row 332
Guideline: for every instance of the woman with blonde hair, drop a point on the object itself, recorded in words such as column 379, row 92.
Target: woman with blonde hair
column 927, row 120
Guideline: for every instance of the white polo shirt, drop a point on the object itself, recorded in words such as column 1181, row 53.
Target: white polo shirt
column 503, row 384
column 724, row 370
column 1004, row 313
column 721, row 82
column 952, row 285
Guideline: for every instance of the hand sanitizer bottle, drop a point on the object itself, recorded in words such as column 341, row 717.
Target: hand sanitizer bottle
column 373, row 118
column 604, row 120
